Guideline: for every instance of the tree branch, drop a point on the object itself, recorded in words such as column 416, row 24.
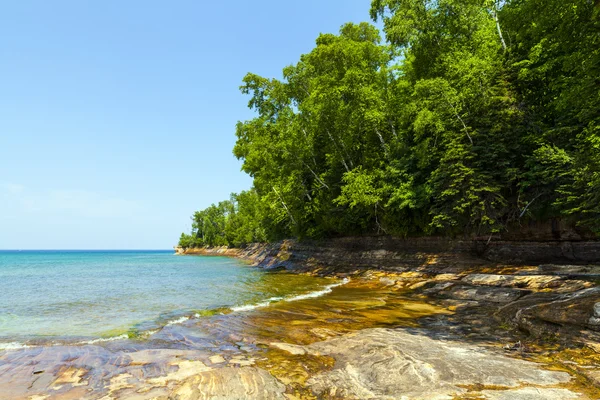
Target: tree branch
column 528, row 204
column 494, row 11
column 284, row 205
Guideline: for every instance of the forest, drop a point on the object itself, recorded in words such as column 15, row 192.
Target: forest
column 465, row 118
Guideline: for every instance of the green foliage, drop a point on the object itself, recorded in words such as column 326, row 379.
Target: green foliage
column 473, row 115
column 235, row 222
column 186, row 241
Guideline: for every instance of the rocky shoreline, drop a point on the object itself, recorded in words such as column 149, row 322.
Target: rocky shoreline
column 521, row 308
column 426, row 320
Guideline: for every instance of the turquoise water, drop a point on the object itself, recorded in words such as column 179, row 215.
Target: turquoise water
column 102, row 294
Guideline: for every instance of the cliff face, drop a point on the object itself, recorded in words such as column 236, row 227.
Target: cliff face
column 345, row 255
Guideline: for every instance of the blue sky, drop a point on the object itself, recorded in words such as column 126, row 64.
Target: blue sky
column 117, row 118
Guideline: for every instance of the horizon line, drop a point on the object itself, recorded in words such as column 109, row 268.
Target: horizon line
column 86, row 249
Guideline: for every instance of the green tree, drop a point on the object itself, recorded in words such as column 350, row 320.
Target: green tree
column 475, row 115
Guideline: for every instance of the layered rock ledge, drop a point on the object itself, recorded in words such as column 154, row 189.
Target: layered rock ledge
column 335, row 256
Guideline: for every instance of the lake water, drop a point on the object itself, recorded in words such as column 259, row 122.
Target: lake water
column 90, row 296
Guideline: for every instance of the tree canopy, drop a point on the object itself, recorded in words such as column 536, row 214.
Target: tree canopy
column 470, row 116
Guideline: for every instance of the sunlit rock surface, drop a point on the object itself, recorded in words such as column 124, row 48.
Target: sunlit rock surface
column 232, row 383
column 398, row 364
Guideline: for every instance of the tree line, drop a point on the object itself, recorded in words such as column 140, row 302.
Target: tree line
column 470, row 117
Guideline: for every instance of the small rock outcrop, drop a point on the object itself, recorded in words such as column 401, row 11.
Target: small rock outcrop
column 578, row 310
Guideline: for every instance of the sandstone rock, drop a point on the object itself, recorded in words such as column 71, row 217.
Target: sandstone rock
column 324, row 333
column 593, row 376
column 218, row 359
column 243, row 362
column 290, row 348
column 418, row 285
column 595, row 318
column 400, row 364
column 544, row 251
column 577, row 310
column 538, row 282
column 438, row 288
column 590, row 339
column 445, row 277
column 231, row 383
column 572, row 271
column 531, row 281
column 185, row 369
column 530, row 394
column 387, row 281
column 481, row 293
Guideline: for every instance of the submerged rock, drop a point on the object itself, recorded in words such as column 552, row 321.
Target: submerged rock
column 290, row 348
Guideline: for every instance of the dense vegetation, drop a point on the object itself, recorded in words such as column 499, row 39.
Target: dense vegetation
column 473, row 115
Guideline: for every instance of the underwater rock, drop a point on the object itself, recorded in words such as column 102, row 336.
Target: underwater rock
column 290, row 348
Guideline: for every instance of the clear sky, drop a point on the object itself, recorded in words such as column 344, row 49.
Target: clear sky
column 117, row 118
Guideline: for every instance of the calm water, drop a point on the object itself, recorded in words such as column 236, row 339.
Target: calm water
column 70, row 295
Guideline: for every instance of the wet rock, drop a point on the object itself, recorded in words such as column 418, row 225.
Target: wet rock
column 591, row 340
column 71, row 376
column 418, row 285
column 184, row 369
column 530, row 394
column 531, row 281
column 595, row 318
column 218, row 359
column 438, row 288
column 290, row 348
column 446, row 277
column 577, row 310
column 536, row 282
column 324, row 333
column 593, row 376
column 411, row 276
column 388, row 364
column 387, row 281
column 573, row 252
column 480, row 293
column 231, row 383
column 360, row 304
column 243, row 362
column 571, row 271
column 91, row 372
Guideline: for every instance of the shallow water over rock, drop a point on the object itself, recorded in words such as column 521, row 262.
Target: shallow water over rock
column 365, row 339
column 175, row 352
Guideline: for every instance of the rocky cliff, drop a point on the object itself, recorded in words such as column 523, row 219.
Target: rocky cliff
column 346, row 255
